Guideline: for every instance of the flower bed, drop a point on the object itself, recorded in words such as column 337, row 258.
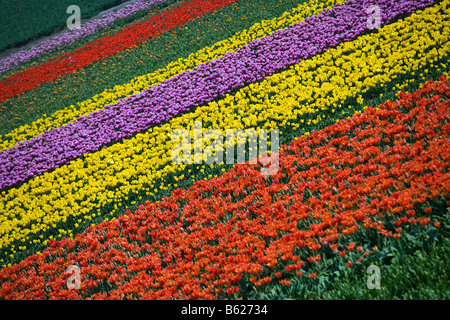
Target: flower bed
column 187, row 90
column 138, row 84
column 94, row 188
column 84, row 188
column 203, row 242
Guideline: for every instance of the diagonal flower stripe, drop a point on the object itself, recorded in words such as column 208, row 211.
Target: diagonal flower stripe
column 187, row 90
column 107, row 46
column 135, row 166
column 138, row 84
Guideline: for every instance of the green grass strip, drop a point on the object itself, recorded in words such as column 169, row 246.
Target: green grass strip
column 23, row 21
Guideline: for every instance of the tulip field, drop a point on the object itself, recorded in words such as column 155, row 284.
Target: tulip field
column 353, row 98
